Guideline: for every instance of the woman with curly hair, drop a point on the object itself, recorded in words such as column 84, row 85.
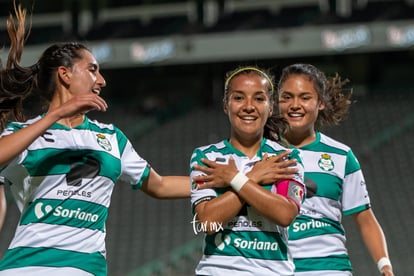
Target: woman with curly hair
column 309, row 101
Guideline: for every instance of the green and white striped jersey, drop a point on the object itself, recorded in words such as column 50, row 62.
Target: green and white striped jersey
column 62, row 184
column 249, row 244
column 335, row 187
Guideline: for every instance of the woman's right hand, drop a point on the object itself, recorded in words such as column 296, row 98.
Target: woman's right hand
column 266, row 171
column 79, row 104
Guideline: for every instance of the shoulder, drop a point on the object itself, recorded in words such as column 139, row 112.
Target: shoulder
column 219, row 146
column 333, row 143
column 274, row 146
column 106, row 129
column 14, row 126
column 101, row 125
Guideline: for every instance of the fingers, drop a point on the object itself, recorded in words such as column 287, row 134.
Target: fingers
column 101, row 104
column 206, row 185
column 199, row 179
column 93, row 102
column 280, row 157
column 287, row 163
column 287, row 170
column 206, row 181
column 203, row 169
column 232, row 162
column 208, row 162
column 81, row 104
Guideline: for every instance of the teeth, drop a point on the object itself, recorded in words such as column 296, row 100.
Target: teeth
column 295, row 115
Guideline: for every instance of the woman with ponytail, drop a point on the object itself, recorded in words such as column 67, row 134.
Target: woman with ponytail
column 62, row 166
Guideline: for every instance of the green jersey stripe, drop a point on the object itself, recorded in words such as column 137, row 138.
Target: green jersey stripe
column 93, row 263
column 70, row 212
column 334, row 262
column 250, row 244
column 304, row 227
column 357, row 209
column 329, row 185
column 352, row 164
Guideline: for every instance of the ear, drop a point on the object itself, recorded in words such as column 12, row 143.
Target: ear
column 225, row 109
column 64, row 74
column 321, row 105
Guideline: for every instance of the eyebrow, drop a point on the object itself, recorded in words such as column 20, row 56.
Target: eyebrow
column 300, row 93
column 243, row 92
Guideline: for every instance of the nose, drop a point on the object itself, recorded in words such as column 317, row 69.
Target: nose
column 249, row 106
column 295, row 103
column 101, row 80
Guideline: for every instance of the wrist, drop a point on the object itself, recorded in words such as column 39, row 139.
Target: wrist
column 238, row 181
column 252, row 177
column 384, row 261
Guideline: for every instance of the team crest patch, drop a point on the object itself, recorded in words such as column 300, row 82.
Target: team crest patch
column 103, row 142
column 326, row 163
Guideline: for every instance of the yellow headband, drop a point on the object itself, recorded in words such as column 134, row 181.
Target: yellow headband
column 246, row 69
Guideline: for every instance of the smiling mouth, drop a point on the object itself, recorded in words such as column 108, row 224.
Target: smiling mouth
column 248, row 118
column 295, row 115
column 96, row 91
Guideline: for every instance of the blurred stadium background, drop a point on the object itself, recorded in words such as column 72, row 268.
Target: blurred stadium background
column 164, row 62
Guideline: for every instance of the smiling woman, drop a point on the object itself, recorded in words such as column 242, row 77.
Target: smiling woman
column 308, row 100
column 253, row 206
column 62, row 166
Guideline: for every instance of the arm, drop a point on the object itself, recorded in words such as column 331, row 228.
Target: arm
column 13, row 144
column 273, row 206
column 373, row 237
column 219, row 210
column 3, row 205
column 268, row 170
column 166, row 187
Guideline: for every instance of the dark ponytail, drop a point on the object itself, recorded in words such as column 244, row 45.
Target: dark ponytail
column 16, row 81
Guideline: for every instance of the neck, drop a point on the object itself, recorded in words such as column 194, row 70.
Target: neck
column 249, row 148
column 73, row 121
column 300, row 139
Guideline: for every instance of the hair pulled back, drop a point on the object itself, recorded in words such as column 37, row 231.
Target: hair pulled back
column 275, row 125
column 17, row 82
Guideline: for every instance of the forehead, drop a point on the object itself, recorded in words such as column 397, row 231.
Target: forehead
column 249, row 79
column 298, row 82
column 86, row 57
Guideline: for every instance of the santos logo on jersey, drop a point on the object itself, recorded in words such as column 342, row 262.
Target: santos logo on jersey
column 326, row 163
column 103, row 142
column 222, row 242
column 40, row 211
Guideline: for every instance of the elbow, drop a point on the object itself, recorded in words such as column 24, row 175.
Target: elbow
column 208, row 225
column 210, row 232
column 286, row 222
column 288, row 216
column 154, row 193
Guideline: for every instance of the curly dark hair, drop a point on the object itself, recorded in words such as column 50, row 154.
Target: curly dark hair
column 330, row 91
